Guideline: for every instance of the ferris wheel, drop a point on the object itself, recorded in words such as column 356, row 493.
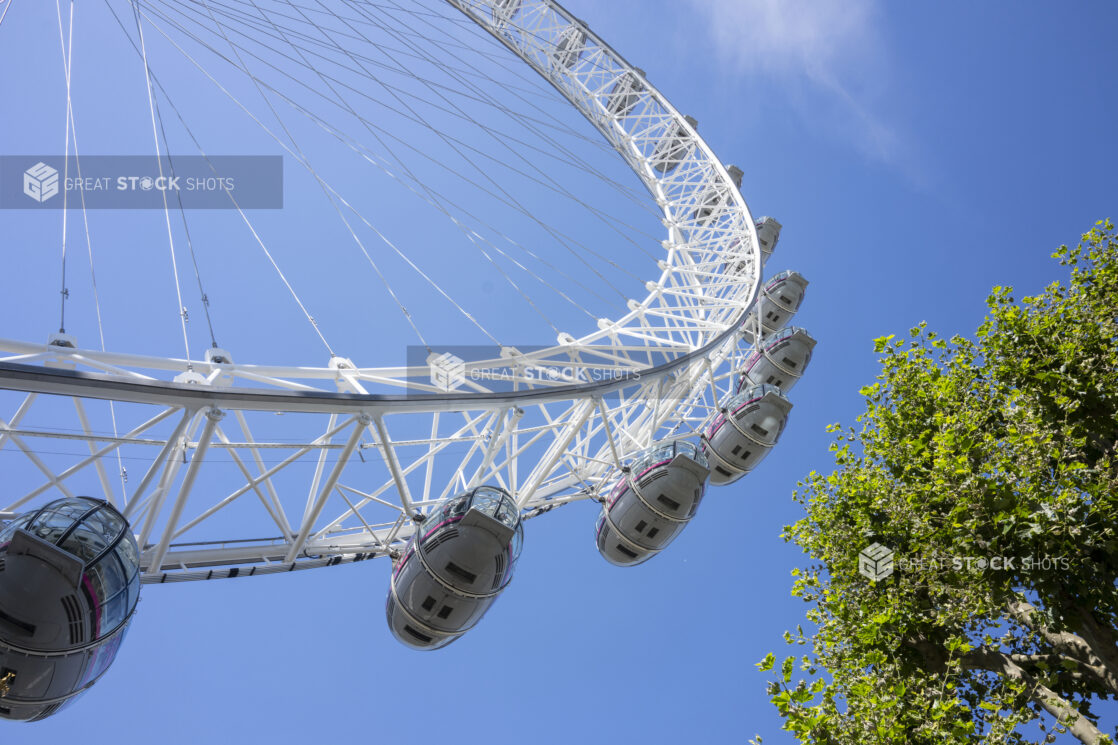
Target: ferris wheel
column 257, row 469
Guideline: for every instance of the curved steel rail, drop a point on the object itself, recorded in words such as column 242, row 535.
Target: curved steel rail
column 665, row 358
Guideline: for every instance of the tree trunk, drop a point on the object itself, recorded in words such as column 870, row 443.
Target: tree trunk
column 1101, row 642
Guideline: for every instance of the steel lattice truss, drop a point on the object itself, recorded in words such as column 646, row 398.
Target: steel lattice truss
column 231, row 488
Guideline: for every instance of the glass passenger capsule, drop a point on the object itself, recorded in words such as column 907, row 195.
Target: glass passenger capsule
column 780, row 359
column 739, row 267
column 504, row 10
column 714, row 199
column 673, row 147
column 743, row 433
column 735, row 174
column 651, row 503
column 454, row 567
column 711, row 204
column 768, row 233
column 69, row 583
column 626, row 93
column 569, row 47
column 778, row 302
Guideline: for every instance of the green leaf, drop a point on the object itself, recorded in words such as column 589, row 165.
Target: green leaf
column 880, row 342
column 787, row 667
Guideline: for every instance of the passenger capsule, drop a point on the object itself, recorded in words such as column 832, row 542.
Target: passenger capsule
column 744, row 432
column 779, row 300
column 454, row 567
column 735, row 174
column 504, row 10
column 652, row 502
column 778, row 360
column 768, row 233
column 626, row 93
column 735, row 268
column 672, row 147
column 69, row 582
column 569, row 47
column 714, row 199
column 711, row 203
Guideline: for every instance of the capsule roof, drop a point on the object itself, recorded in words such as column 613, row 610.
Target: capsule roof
column 666, row 451
column 491, row 501
column 85, row 527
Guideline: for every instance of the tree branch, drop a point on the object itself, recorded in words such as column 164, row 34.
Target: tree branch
column 1095, row 657
column 1091, row 675
column 1001, row 663
column 1101, row 642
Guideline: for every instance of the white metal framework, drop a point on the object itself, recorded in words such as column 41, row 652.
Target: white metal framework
column 339, row 477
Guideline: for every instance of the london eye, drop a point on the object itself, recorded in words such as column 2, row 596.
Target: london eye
column 313, row 435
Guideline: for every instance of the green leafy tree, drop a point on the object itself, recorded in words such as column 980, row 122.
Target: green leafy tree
column 989, row 467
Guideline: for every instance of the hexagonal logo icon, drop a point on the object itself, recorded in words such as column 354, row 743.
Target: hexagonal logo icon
column 448, row 371
column 40, row 182
column 875, row 562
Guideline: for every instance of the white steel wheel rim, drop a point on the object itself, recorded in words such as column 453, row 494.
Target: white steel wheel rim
column 710, row 275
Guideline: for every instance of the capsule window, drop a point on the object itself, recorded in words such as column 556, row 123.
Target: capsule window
column 418, row 635
column 499, row 561
column 429, row 603
column 652, row 532
column 74, row 616
column 668, row 502
column 759, row 429
column 442, row 535
column 722, row 471
column 47, row 712
column 626, row 551
column 445, row 611
column 641, row 526
column 461, row 573
column 736, row 450
column 788, row 362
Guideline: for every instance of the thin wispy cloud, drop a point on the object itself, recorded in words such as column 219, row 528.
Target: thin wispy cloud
column 832, row 45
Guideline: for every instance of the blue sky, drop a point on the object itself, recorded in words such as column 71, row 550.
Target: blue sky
column 916, row 155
